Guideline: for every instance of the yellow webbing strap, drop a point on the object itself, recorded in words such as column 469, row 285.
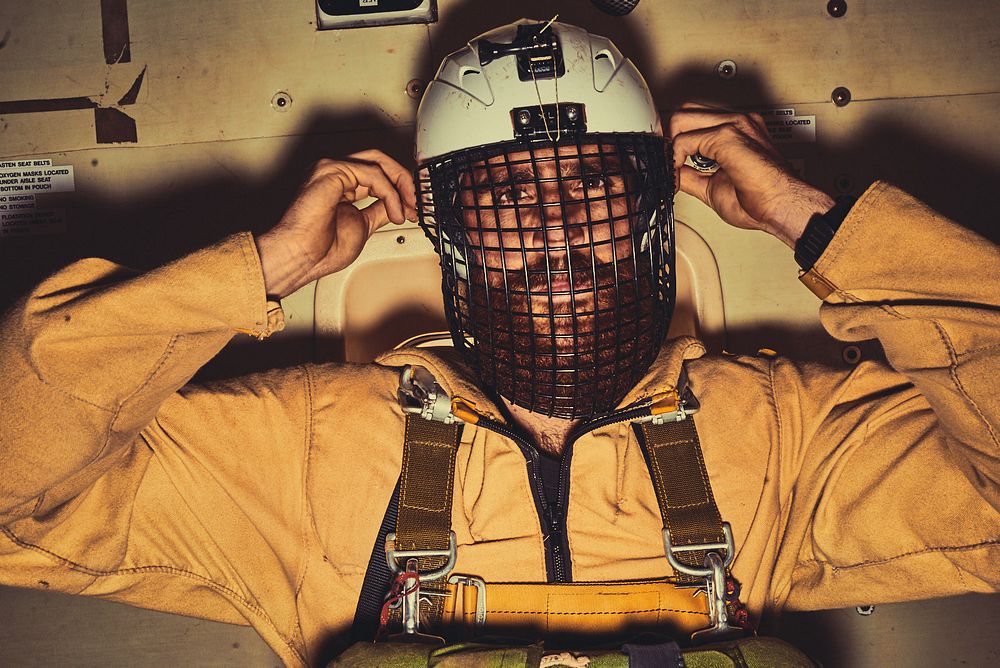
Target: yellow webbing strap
column 617, row 609
column 426, row 485
column 683, row 489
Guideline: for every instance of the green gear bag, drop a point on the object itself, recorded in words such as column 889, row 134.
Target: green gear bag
column 742, row 653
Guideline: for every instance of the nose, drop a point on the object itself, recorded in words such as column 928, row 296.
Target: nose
column 562, row 220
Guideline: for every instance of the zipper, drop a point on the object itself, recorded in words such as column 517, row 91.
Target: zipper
column 552, row 518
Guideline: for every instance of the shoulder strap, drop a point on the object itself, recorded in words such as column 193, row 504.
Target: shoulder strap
column 691, row 518
column 418, row 519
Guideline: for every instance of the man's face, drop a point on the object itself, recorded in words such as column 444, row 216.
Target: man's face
column 559, row 283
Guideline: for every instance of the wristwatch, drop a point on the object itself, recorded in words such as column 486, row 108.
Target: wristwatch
column 819, row 232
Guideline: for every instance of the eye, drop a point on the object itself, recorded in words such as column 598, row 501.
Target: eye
column 512, row 195
column 593, row 182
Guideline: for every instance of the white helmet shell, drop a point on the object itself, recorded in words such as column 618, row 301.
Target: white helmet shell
column 469, row 104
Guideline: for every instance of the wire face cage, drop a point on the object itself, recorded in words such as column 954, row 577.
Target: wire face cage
column 557, row 264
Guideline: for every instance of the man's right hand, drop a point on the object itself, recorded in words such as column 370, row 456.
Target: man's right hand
column 322, row 232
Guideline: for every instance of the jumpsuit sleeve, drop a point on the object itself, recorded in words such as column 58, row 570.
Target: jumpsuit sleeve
column 889, row 472
column 121, row 480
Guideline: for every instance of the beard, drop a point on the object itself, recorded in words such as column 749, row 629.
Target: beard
column 567, row 340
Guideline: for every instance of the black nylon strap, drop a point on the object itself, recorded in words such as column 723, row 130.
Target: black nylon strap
column 820, row 231
column 377, row 578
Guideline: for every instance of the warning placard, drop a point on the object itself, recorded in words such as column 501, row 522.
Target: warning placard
column 28, row 223
column 20, row 182
column 787, row 128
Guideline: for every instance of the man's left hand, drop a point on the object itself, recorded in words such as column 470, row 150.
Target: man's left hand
column 755, row 187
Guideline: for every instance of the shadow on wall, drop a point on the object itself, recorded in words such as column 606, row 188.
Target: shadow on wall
column 915, row 158
column 148, row 230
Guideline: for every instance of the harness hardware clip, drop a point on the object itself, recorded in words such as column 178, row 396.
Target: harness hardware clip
column 420, row 394
column 480, row 585
column 670, row 549
column 719, row 627
column 714, row 573
column 392, row 557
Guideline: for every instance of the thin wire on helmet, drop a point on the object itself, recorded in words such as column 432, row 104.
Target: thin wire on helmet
column 559, row 302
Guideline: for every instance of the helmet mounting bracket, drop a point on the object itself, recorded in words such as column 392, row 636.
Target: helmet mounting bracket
column 538, row 52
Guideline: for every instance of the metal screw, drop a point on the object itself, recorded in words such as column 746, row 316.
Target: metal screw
column 400, row 239
column 726, row 69
column 524, row 117
column 836, row 8
column 415, row 88
column 841, row 96
column 572, row 113
column 281, row 101
column 851, row 354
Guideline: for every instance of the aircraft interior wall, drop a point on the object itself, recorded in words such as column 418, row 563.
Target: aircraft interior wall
column 181, row 122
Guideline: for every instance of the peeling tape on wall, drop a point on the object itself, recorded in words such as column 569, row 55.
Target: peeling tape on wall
column 21, row 181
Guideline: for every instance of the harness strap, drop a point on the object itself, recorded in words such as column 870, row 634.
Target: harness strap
column 683, row 491
column 613, row 609
column 426, row 484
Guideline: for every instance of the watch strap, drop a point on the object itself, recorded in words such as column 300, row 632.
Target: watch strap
column 820, row 231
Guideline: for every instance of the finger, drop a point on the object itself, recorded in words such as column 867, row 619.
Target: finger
column 400, row 176
column 370, row 176
column 376, row 216
column 693, row 182
column 702, row 140
column 686, row 120
column 326, row 189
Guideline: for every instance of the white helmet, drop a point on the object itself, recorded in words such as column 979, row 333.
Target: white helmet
column 470, row 101
column 543, row 185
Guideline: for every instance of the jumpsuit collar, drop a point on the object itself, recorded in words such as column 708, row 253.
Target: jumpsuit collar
column 457, row 380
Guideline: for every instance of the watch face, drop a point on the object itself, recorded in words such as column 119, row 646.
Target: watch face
column 354, row 7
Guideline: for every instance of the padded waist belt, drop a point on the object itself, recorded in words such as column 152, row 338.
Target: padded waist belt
column 601, row 609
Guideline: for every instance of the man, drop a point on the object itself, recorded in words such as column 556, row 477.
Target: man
column 263, row 500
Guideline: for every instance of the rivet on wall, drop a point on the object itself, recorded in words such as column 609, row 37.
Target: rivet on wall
column 415, row 88
column 726, row 69
column 281, row 101
column 841, row 96
column 836, row 8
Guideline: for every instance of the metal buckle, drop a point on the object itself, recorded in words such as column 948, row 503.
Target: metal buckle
column 392, row 557
column 480, row 585
column 714, row 574
column 719, row 627
column 687, row 404
column 419, row 393
column 694, row 571
column 411, row 609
